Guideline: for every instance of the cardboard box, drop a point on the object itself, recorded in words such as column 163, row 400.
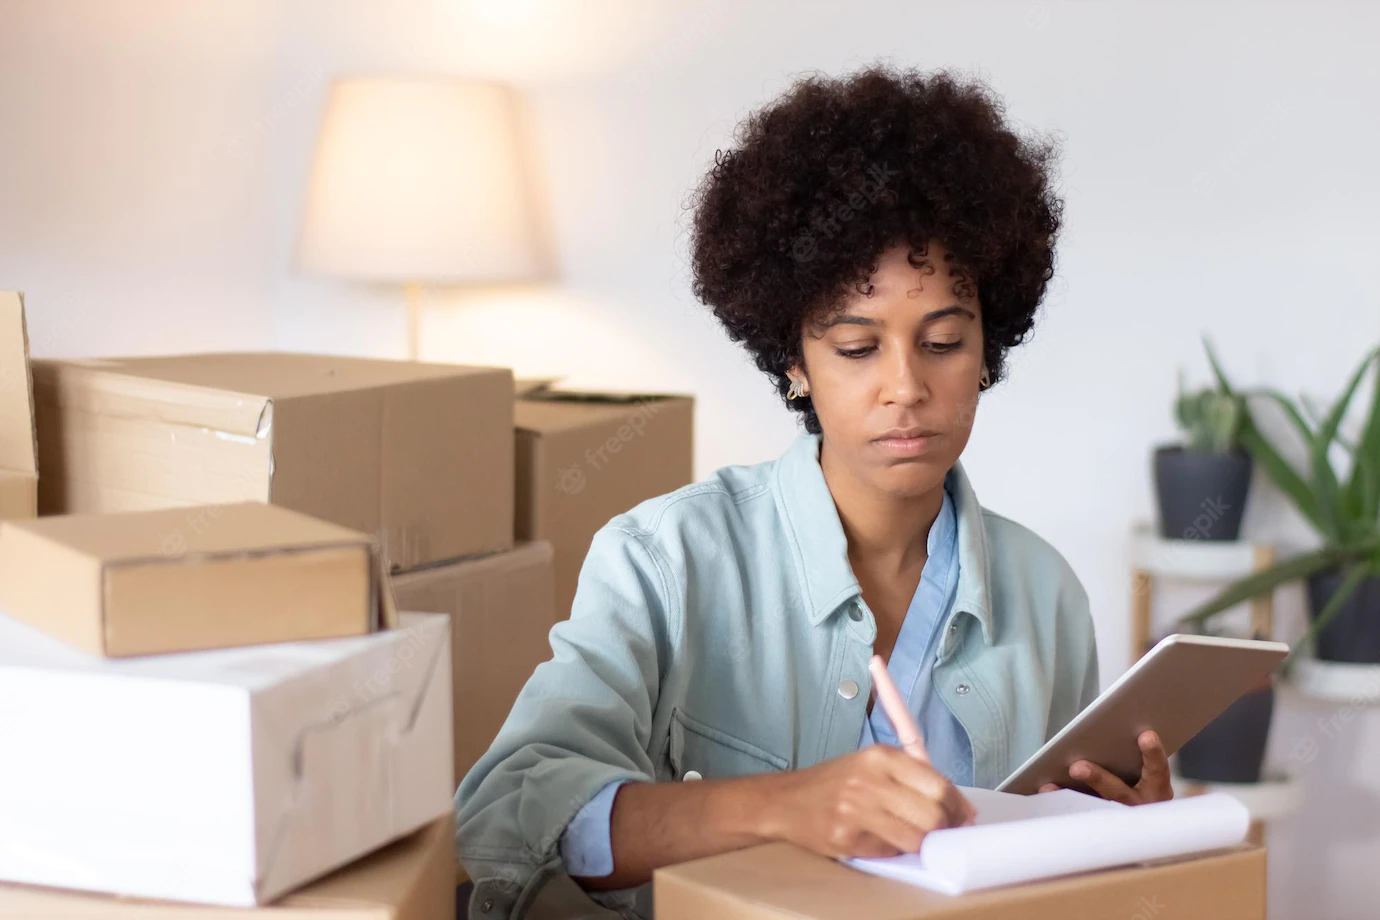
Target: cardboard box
column 411, row 879
column 18, row 449
column 225, row 777
column 584, row 457
column 780, row 880
column 502, row 608
column 212, row 576
column 417, row 454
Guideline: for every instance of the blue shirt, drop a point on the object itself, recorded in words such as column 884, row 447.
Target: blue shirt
column 586, row 847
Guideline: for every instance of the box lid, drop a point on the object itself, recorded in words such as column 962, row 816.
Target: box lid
column 199, row 530
column 282, row 375
column 229, row 392
column 546, row 410
column 18, row 448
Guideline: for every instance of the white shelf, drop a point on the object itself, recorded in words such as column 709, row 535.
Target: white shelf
column 1190, row 560
column 1275, row 796
column 1358, row 684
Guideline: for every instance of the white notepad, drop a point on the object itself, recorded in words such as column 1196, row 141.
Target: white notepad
column 1021, row 838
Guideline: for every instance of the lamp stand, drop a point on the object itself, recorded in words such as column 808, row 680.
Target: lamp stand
column 413, row 292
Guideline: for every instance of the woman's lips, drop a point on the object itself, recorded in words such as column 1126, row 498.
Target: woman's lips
column 907, row 447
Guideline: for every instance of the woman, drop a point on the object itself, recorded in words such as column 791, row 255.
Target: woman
column 877, row 243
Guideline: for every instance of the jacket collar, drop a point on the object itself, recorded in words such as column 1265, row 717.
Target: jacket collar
column 817, row 540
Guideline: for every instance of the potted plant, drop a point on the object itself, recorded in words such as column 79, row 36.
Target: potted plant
column 1231, row 748
column 1201, row 485
column 1343, row 574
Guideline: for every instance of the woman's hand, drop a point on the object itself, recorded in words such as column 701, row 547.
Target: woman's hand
column 1154, row 776
column 879, row 801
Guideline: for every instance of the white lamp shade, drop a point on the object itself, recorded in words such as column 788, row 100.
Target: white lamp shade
column 419, row 180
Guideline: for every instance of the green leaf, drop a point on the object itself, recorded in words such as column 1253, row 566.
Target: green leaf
column 1325, row 483
column 1267, row 580
column 1291, row 411
column 1283, row 474
column 1217, row 368
column 1280, row 471
column 1363, row 488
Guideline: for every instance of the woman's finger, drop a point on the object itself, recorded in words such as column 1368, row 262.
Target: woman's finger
column 1154, row 782
column 1105, row 784
column 1049, row 787
column 901, row 818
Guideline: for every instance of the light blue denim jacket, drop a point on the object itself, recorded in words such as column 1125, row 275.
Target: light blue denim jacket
column 719, row 629
column 586, row 846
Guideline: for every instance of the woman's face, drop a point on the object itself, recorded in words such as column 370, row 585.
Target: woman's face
column 894, row 376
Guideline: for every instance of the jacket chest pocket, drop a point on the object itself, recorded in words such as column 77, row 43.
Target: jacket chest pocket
column 700, row 751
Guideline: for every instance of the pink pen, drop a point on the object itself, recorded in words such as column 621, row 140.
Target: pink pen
column 907, row 732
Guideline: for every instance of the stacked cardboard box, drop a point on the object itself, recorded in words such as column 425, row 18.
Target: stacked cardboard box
column 412, row 879
column 501, row 608
column 417, row 454
column 220, row 703
column 583, row 457
column 222, row 651
column 223, row 775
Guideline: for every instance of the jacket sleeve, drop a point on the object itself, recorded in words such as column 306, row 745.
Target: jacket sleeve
column 582, row 721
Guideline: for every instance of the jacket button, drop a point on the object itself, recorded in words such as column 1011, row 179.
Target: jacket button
column 691, row 776
column 962, row 689
column 855, row 614
column 848, row 689
column 487, row 906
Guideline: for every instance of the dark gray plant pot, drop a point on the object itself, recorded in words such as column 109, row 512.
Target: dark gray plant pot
column 1201, row 494
column 1231, row 748
column 1353, row 634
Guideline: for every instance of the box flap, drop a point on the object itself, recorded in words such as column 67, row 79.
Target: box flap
column 523, row 386
column 103, row 387
column 18, row 447
column 181, row 533
column 548, row 393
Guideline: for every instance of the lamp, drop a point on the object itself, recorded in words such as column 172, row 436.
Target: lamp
column 419, row 180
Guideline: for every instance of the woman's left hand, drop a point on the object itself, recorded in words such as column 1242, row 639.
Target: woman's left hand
column 1154, row 776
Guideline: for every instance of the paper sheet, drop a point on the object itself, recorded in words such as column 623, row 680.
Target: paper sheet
column 1023, row 838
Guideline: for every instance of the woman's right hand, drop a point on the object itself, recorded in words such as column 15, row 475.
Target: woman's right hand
column 879, row 801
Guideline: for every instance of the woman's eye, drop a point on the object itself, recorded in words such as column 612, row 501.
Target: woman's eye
column 855, row 352
column 942, row 347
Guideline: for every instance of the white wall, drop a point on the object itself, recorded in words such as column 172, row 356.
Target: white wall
column 1219, row 173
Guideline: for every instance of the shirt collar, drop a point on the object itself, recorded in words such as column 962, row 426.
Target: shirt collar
column 817, row 541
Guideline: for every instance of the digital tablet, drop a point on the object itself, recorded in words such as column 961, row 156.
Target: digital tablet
column 1176, row 689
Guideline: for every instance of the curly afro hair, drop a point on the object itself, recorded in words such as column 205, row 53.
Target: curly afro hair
column 827, row 177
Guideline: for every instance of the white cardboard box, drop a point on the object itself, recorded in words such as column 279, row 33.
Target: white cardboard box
column 223, row 777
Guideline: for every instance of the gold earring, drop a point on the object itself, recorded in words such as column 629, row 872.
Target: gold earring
column 984, row 381
column 797, row 390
